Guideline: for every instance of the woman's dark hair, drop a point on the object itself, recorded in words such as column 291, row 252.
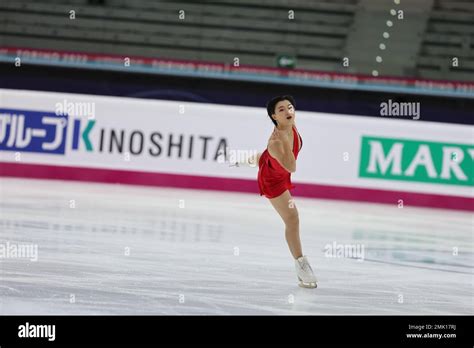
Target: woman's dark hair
column 274, row 101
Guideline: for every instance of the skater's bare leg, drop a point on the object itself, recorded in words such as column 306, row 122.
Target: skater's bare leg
column 285, row 206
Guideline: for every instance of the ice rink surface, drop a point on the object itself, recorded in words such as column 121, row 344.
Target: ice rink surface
column 117, row 249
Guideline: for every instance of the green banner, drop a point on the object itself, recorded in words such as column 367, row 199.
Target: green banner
column 416, row 160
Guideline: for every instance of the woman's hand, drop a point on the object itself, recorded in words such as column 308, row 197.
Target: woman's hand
column 279, row 148
column 280, row 135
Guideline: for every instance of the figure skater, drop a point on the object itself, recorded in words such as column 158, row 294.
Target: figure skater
column 275, row 166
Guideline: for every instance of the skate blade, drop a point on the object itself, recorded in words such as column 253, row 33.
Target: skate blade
column 308, row 285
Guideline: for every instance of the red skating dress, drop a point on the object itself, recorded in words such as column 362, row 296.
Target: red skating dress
column 273, row 179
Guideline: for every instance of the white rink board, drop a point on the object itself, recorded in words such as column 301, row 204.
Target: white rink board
column 326, row 137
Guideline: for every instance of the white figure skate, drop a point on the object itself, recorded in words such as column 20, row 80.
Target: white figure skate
column 305, row 273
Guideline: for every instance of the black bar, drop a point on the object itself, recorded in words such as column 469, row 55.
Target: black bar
column 242, row 330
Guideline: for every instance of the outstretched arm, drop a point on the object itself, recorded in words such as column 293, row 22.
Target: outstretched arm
column 251, row 161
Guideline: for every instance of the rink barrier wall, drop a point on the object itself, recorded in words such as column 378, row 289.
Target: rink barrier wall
column 410, row 199
column 190, row 145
